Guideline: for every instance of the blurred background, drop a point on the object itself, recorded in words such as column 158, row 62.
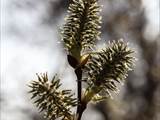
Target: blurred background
column 29, row 45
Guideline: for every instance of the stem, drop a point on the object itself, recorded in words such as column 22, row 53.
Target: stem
column 81, row 105
column 78, row 71
column 81, row 110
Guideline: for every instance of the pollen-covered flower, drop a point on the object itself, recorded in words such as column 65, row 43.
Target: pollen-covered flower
column 50, row 99
column 82, row 26
column 107, row 67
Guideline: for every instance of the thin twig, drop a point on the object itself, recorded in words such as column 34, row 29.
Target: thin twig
column 81, row 105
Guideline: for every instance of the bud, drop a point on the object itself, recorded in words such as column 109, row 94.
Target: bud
column 84, row 59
